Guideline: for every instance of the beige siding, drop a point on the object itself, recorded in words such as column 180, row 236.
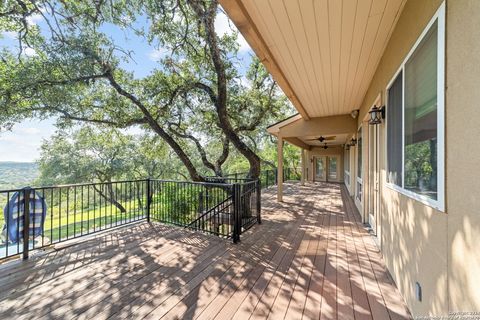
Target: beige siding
column 463, row 153
column 413, row 235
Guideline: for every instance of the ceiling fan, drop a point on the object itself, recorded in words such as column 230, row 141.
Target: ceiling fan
column 325, row 146
column 322, row 139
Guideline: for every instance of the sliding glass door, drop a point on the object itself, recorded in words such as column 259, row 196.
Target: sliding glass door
column 320, row 168
column 327, row 168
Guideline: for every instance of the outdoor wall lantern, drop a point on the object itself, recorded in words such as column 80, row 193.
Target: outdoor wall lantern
column 376, row 115
column 353, row 142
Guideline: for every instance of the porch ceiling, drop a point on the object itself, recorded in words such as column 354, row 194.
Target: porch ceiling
column 322, row 53
column 300, row 132
column 331, row 140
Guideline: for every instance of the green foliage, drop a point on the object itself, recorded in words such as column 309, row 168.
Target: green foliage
column 419, row 170
column 17, row 174
column 77, row 74
column 92, row 154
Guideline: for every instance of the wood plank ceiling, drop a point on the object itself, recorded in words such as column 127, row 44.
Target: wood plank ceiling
column 326, row 50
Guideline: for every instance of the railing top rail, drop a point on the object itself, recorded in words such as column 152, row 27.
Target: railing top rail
column 86, row 184
column 214, row 184
column 89, row 184
column 228, row 176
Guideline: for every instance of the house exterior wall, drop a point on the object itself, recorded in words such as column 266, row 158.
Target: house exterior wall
column 438, row 249
column 412, row 236
column 463, row 153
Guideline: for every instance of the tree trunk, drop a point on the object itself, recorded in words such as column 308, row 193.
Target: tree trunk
column 110, row 198
column 207, row 16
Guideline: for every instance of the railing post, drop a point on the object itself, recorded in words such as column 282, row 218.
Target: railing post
column 259, row 201
column 237, row 222
column 26, row 221
column 149, row 199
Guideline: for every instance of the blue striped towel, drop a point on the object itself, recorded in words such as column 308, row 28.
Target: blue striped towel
column 14, row 214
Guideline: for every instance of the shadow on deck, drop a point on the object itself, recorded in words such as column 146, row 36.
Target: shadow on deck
column 310, row 258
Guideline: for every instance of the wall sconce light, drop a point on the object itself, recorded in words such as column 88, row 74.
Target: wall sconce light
column 376, row 115
column 353, row 142
column 311, row 160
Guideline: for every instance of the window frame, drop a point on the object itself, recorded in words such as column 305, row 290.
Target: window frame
column 439, row 203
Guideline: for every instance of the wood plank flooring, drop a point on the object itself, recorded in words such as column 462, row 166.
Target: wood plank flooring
column 310, row 259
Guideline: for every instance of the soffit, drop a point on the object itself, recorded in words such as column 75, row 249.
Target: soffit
column 323, row 53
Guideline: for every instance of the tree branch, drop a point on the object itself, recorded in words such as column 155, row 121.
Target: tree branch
column 155, row 126
column 198, row 145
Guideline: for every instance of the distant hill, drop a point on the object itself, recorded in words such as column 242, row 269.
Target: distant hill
column 17, row 174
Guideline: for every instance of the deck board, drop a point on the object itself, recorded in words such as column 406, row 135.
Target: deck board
column 310, row 259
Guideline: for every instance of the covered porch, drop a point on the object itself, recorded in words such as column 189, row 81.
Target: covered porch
column 311, row 258
column 323, row 143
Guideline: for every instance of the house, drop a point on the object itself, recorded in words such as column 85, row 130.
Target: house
column 387, row 96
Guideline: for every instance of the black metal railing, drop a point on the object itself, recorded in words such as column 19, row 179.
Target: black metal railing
column 223, row 206
column 269, row 178
column 61, row 213
column 205, row 207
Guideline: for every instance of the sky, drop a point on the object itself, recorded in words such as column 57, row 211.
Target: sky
column 22, row 143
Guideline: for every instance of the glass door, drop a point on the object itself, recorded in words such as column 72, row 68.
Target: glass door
column 359, row 188
column 373, row 195
column 332, row 168
column 320, row 168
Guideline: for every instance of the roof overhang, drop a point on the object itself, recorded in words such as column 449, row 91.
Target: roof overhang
column 275, row 128
column 303, row 133
column 323, row 54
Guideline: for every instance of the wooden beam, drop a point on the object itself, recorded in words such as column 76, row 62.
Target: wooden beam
column 240, row 17
column 343, row 124
column 299, row 143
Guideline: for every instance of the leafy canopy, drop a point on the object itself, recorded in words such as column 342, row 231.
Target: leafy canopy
column 196, row 100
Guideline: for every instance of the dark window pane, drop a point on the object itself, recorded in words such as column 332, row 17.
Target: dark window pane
column 394, row 132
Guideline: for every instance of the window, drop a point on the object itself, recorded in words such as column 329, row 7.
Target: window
column 346, row 162
column 420, row 124
column 359, row 164
column 332, row 168
column 415, row 109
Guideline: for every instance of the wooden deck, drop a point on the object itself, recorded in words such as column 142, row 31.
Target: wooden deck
column 311, row 258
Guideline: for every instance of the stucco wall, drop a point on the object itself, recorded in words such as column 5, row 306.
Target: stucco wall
column 463, row 153
column 413, row 236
